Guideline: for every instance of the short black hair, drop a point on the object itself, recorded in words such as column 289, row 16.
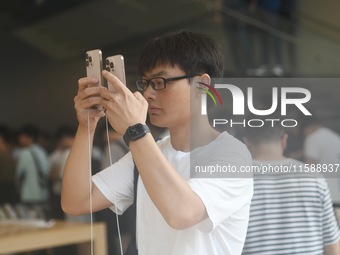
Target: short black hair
column 195, row 53
column 30, row 130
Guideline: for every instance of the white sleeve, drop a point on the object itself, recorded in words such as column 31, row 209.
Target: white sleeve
column 116, row 183
column 222, row 197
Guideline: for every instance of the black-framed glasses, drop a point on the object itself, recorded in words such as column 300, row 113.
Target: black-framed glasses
column 158, row 83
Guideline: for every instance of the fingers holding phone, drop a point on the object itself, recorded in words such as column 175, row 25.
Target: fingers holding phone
column 115, row 65
column 123, row 108
column 94, row 65
column 88, row 96
column 87, row 100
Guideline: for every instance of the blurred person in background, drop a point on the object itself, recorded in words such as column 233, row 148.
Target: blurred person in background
column 32, row 167
column 8, row 191
column 321, row 146
column 44, row 140
column 290, row 213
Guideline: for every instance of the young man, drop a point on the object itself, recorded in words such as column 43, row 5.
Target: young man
column 176, row 214
column 290, row 213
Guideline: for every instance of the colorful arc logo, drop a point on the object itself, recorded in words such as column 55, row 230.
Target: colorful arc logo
column 209, row 93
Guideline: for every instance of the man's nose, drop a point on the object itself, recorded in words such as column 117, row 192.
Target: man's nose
column 149, row 92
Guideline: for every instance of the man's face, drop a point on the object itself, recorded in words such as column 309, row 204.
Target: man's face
column 169, row 107
column 25, row 140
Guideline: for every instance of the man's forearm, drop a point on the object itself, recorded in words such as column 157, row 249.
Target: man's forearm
column 76, row 186
column 171, row 194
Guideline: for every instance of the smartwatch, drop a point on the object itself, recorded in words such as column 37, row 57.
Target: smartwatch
column 135, row 132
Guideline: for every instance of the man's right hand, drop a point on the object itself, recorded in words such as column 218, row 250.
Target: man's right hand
column 86, row 100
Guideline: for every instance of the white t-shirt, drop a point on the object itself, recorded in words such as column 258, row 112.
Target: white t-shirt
column 227, row 201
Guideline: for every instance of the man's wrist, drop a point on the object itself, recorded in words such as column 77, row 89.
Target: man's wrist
column 135, row 132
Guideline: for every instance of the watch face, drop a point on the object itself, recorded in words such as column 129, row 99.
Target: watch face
column 136, row 131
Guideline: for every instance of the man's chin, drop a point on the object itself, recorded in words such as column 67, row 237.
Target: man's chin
column 155, row 120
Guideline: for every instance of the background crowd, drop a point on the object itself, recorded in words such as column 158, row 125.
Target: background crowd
column 31, row 169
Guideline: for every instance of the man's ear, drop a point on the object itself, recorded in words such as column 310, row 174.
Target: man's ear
column 205, row 78
column 201, row 80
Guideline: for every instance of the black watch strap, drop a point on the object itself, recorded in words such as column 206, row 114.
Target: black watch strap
column 135, row 132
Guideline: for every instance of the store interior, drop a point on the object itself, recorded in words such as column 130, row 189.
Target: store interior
column 43, row 45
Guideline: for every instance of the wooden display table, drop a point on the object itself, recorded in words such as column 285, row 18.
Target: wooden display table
column 20, row 238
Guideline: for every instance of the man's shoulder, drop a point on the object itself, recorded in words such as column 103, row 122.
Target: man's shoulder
column 225, row 148
column 226, row 143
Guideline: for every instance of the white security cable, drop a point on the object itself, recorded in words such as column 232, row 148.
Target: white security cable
column 110, row 157
column 90, row 179
column 90, row 184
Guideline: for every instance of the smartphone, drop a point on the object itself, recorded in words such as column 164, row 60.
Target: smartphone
column 94, row 65
column 115, row 65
